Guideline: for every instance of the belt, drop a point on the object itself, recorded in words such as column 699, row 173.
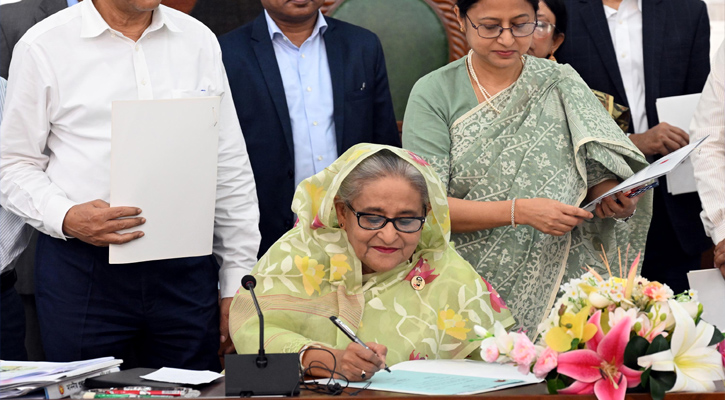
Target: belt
column 8, row 279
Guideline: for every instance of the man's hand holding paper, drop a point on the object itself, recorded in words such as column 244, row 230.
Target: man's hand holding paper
column 97, row 223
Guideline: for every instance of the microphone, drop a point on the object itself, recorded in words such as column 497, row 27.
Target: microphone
column 264, row 374
column 249, row 283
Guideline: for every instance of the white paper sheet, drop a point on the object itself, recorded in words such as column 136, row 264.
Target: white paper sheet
column 446, row 377
column 658, row 168
column 164, row 160
column 710, row 287
column 182, row 376
column 678, row 111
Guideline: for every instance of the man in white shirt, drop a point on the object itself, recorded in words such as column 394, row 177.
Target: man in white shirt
column 54, row 173
column 709, row 160
column 639, row 51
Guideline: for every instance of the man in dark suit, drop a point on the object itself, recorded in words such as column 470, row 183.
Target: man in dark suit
column 306, row 88
column 16, row 18
column 640, row 51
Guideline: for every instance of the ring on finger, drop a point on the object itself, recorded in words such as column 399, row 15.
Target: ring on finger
column 363, row 374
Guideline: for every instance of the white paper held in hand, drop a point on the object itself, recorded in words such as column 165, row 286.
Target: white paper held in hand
column 164, row 161
column 644, row 176
column 678, row 111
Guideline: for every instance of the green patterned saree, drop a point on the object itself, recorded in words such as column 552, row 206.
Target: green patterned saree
column 312, row 273
column 553, row 139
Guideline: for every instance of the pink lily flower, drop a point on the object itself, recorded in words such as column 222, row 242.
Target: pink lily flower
column 600, row 370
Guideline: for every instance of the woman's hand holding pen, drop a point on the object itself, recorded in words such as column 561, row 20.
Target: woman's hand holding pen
column 358, row 363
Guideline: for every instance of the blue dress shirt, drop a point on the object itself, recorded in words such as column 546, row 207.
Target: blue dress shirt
column 308, row 89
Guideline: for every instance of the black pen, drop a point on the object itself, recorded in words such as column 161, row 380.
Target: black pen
column 347, row 331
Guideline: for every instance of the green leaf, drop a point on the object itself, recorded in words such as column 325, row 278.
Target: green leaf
column 644, row 378
column 659, row 343
column 717, row 337
column 574, row 344
column 660, row 382
column 636, row 348
column 554, row 385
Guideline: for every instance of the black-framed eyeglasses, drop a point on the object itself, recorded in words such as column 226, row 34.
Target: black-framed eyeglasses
column 373, row 222
column 487, row 31
column 544, row 29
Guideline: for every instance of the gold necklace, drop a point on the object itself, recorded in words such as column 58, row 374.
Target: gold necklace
column 486, row 96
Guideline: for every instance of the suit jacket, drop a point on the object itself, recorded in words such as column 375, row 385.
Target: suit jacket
column 16, row 19
column 355, row 56
column 676, row 51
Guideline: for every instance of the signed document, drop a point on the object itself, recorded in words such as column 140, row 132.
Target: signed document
column 164, row 161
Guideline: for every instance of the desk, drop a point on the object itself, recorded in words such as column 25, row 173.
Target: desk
column 530, row 392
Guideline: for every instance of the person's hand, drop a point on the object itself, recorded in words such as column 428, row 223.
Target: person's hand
column 662, row 139
column 355, row 359
column 549, row 216
column 619, row 207
column 97, row 223
column 226, row 346
column 719, row 256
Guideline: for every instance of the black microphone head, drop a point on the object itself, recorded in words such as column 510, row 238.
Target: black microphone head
column 248, row 282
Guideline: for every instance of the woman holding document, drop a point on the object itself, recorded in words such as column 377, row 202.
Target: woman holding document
column 371, row 248
column 519, row 140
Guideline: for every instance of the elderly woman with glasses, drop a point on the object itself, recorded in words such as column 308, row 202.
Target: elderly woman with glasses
column 521, row 143
column 549, row 35
column 371, row 248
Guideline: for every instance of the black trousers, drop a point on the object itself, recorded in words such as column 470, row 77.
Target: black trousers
column 151, row 314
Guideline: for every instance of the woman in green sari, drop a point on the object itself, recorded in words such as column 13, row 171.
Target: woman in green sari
column 371, row 247
column 519, row 140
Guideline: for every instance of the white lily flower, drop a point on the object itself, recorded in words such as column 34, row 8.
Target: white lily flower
column 695, row 364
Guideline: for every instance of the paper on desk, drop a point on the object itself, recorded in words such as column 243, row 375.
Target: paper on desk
column 710, row 287
column 182, row 376
column 678, row 111
column 658, row 168
column 460, row 377
column 164, row 160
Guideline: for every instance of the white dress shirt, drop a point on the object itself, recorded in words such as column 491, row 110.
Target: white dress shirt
column 66, row 71
column 709, row 160
column 625, row 27
column 14, row 232
column 308, row 90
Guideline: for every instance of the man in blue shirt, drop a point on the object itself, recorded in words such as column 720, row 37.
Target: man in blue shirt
column 306, row 88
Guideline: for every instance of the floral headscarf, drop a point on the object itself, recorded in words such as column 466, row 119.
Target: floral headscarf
column 312, row 273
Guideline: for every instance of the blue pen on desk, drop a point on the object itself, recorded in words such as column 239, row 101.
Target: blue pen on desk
column 347, row 331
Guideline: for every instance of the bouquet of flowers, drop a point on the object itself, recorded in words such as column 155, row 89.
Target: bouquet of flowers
column 604, row 336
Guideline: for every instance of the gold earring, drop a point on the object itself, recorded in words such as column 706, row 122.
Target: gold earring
column 552, row 58
column 462, row 30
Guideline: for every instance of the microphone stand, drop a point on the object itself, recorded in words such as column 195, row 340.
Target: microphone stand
column 261, row 374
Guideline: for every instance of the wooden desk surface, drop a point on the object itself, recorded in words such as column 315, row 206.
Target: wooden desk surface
column 530, row 392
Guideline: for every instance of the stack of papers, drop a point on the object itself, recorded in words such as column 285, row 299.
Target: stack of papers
column 21, row 377
column 446, row 377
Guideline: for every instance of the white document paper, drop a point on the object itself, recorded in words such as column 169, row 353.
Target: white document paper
column 182, row 376
column 710, row 287
column 446, row 377
column 658, row 168
column 678, row 111
column 164, row 160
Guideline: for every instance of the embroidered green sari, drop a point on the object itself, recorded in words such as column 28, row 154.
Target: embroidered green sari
column 553, row 139
column 312, row 273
